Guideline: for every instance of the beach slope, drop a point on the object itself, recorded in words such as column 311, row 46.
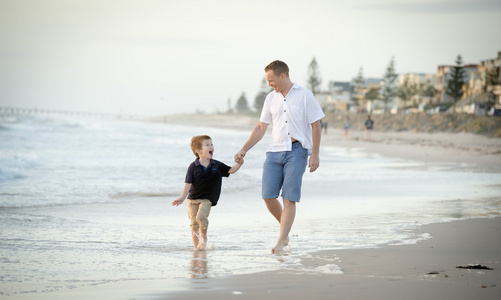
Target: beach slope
column 427, row 270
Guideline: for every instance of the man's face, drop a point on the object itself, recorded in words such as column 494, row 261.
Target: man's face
column 276, row 82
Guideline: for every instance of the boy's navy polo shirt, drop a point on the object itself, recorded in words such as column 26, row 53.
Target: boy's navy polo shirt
column 206, row 183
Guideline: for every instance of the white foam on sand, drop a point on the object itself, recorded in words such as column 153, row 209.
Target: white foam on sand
column 329, row 269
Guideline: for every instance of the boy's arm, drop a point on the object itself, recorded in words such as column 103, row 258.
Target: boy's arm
column 186, row 190
column 236, row 167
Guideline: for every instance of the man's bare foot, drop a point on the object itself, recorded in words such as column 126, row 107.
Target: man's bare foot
column 202, row 244
column 278, row 248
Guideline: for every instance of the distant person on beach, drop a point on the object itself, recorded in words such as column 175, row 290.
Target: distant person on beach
column 324, row 125
column 346, row 126
column 202, row 187
column 369, row 124
column 295, row 114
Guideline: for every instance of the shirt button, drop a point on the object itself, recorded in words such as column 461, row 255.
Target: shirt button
column 285, row 110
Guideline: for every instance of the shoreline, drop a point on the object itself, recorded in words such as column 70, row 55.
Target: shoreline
column 424, row 270
column 391, row 272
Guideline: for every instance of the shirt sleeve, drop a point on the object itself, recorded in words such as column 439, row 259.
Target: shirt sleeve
column 265, row 112
column 313, row 110
column 223, row 170
column 190, row 173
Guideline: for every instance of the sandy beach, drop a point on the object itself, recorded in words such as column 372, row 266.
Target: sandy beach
column 427, row 270
column 415, row 270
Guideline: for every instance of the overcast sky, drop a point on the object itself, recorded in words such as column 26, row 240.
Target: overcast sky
column 158, row 57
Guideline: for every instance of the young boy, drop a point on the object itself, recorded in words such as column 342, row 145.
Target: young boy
column 203, row 187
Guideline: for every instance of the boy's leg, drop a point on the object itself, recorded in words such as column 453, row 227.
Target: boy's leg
column 193, row 206
column 194, row 235
column 203, row 222
column 203, row 239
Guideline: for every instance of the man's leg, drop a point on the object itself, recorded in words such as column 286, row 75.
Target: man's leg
column 286, row 221
column 272, row 182
column 274, row 207
column 294, row 167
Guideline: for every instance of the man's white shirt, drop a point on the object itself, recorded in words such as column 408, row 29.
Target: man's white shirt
column 291, row 117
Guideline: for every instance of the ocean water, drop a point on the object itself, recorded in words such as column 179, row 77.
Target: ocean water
column 87, row 201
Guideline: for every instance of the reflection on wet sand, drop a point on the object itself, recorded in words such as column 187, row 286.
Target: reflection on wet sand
column 199, row 264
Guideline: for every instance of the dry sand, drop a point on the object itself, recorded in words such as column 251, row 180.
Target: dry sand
column 463, row 151
column 460, row 151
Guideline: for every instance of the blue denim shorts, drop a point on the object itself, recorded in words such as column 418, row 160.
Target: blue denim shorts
column 284, row 171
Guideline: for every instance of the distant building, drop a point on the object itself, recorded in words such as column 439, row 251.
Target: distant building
column 443, row 75
column 338, row 98
column 483, row 87
column 323, row 98
column 373, row 105
column 359, row 92
column 490, row 75
column 423, row 82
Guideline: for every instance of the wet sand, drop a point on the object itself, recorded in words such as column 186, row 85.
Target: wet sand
column 427, row 270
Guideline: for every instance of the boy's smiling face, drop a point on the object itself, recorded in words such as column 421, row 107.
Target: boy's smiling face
column 207, row 150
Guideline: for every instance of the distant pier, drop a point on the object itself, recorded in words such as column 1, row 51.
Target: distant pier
column 37, row 111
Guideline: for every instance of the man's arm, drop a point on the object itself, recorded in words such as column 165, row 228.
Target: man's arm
column 316, row 131
column 256, row 135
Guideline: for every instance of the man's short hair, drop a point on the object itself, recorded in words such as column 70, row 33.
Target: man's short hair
column 196, row 143
column 278, row 67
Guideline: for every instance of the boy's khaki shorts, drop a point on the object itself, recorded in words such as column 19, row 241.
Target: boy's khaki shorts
column 198, row 211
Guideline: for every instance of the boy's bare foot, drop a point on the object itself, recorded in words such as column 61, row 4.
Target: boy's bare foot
column 202, row 244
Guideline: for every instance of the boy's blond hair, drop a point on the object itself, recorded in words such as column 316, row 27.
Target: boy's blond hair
column 196, row 143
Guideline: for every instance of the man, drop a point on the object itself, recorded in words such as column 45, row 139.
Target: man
column 369, row 124
column 295, row 114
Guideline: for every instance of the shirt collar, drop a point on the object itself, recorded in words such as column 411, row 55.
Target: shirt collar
column 294, row 86
column 197, row 162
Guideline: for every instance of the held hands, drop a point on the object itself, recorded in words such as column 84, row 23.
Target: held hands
column 239, row 157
